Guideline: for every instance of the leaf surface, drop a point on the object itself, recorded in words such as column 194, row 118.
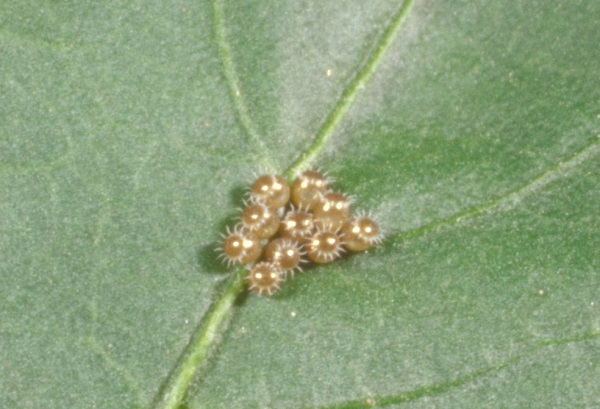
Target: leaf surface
column 130, row 130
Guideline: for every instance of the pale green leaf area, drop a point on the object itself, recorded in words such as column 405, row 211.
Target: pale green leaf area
column 129, row 130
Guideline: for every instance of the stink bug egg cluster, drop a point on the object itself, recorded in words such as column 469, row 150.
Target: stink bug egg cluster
column 283, row 226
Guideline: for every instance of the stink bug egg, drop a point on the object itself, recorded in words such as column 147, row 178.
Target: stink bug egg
column 272, row 190
column 240, row 247
column 264, row 278
column 297, row 224
column 324, row 246
column 286, row 253
column 333, row 210
column 307, row 189
column 260, row 219
column 361, row 233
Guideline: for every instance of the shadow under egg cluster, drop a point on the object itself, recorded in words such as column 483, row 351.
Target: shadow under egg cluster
column 282, row 227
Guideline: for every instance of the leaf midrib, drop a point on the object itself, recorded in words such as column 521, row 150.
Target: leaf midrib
column 174, row 391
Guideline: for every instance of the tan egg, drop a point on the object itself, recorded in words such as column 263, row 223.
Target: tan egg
column 265, row 278
column 333, row 210
column 297, row 224
column 286, row 253
column 324, row 246
column 272, row 190
column 361, row 233
column 260, row 219
column 240, row 247
column 307, row 188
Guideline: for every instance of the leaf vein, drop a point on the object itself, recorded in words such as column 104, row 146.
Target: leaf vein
column 443, row 387
column 235, row 92
column 510, row 199
column 115, row 366
column 174, row 391
column 349, row 94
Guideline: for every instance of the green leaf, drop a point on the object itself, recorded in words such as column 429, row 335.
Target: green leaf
column 128, row 133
